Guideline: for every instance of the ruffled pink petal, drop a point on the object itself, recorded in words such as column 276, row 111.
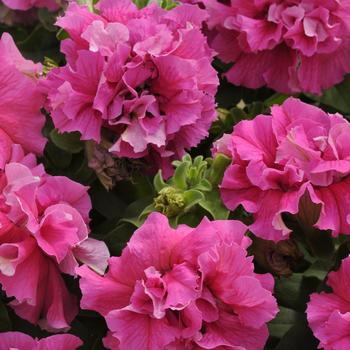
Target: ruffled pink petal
column 229, row 332
column 17, row 340
column 138, row 331
column 182, row 287
column 60, row 342
column 103, row 294
column 321, row 306
column 61, row 228
column 153, row 243
column 93, row 253
column 60, row 189
column 76, row 20
column 332, row 72
column 334, row 214
column 20, row 101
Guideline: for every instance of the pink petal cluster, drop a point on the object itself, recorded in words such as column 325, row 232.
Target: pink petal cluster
column 223, row 146
column 297, row 151
column 20, row 99
column 329, row 313
column 24, row 5
column 21, row 341
column 145, row 75
column 182, row 288
column 43, row 233
column 290, row 46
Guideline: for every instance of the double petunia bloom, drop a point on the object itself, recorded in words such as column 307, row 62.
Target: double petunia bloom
column 43, row 218
column 297, row 161
column 183, row 288
column 329, row 313
column 142, row 76
column 290, row 46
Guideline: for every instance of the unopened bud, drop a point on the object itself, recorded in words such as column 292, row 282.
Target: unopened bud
column 170, row 202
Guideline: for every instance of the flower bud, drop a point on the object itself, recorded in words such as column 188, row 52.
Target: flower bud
column 170, row 202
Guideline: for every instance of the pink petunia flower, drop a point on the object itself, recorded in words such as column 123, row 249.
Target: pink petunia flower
column 145, row 75
column 21, row 341
column 182, row 288
column 20, row 99
column 43, row 233
column 290, row 46
column 24, row 5
column 223, row 145
column 297, row 152
column 329, row 313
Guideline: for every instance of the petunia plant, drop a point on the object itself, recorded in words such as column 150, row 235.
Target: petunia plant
column 174, row 174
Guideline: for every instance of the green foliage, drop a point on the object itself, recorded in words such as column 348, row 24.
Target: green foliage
column 337, row 97
column 165, row 4
column 89, row 3
column 5, row 322
column 69, row 142
column 192, row 189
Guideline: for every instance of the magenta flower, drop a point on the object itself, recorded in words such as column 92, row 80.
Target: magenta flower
column 329, row 313
column 43, row 233
column 182, row 288
column 223, row 145
column 27, row 4
column 20, row 99
column 21, row 341
column 297, row 151
column 145, row 75
column 290, row 46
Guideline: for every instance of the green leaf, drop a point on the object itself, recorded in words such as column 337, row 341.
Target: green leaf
column 213, row 205
column 141, row 3
column 62, row 35
column 218, row 167
column 192, row 197
column 39, row 44
column 238, row 114
column 298, row 337
column 204, row 186
column 276, row 99
column 79, row 171
column 158, row 182
column 118, row 237
column 5, row 322
column 320, row 242
column 69, row 142
column 89, row 3
column 142, row 217
column 284, row 320
column 255, row 108
column 106, row 203
column 167, row 4
column 293, row 292
column 135, row 213
column 319, row 269
column 180, row 176
column 336, row 97
column 56, row 158
column 47, row 19
column 190, row 219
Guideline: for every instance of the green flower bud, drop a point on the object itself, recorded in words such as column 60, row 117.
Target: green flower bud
column 169, row 201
